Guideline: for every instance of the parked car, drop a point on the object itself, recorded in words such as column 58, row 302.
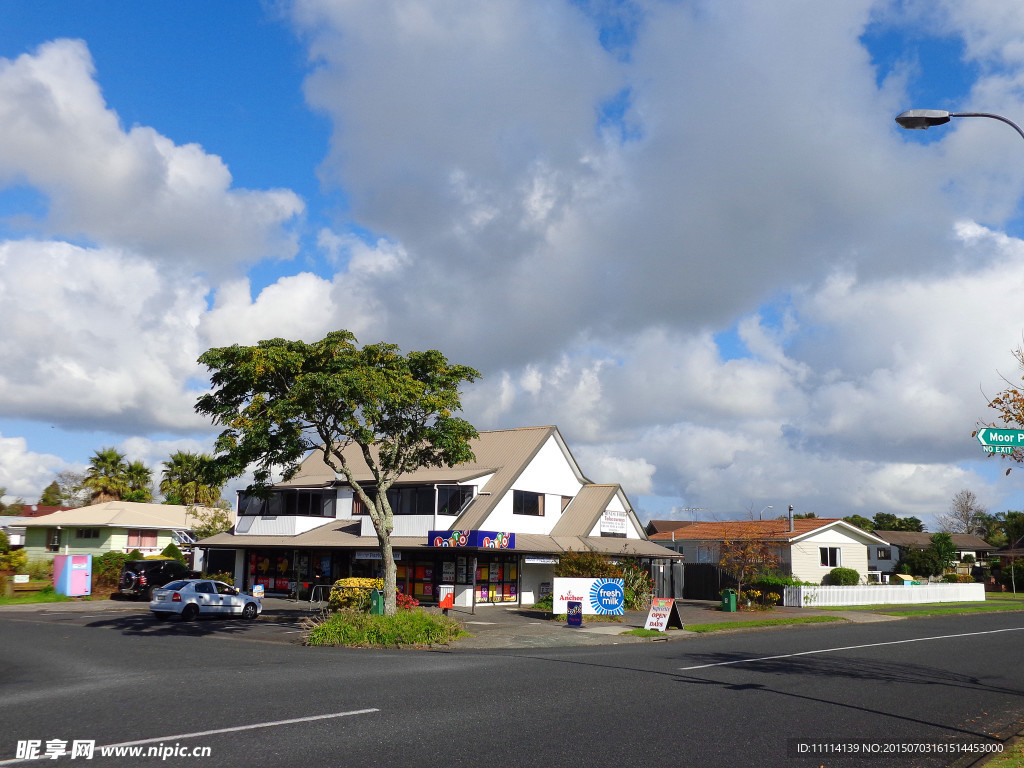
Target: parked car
column 140, row 577
column 192, row 598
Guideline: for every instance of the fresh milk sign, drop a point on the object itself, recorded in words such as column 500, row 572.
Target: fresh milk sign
column 599, row 596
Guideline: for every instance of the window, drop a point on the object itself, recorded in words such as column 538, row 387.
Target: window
column 87, row 533
column 452, row 499
column 141, row 538
column 884, row 553
column 565, row 502
column 304, row 502
column 526, row 503
column 829, row 557
column 53, row 539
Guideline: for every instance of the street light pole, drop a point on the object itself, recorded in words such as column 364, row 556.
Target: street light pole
column 923, row 119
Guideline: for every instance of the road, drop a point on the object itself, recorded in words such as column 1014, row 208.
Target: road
column 718, row 700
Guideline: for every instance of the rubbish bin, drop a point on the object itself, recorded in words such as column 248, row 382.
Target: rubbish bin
column 729, row 600
column 377, row 602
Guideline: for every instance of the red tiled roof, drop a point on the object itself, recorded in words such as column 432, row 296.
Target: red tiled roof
column 38, row 510
column 746, row 529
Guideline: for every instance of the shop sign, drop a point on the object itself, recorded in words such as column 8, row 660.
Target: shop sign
column 375, row 555
column 448, row 571
column 478, row 539
column 663, row 614
column 605, row 597
column 613, row 522
column 533, row 560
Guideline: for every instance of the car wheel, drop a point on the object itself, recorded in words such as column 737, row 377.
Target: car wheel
column 190, row 612
column 146, row 594
column 249, row 611
column 161, row 615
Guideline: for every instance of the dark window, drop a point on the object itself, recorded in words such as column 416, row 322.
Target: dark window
column 565, row 502
column 87, row 533
column 829, row 556
column 53, row 539
column 204, row 587
column 884, row 553
column 412, row 500
column 301, row 501
column 452, row 499
column 526, row 503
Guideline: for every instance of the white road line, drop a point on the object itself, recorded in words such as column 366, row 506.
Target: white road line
column 849, row 648
column 197, row 734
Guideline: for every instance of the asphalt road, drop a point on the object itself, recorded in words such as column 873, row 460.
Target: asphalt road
column 718, row 700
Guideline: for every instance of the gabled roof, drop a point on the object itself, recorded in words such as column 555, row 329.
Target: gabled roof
column 771, row 530
column 118, row 514
column 923, row 540
column 586, row 508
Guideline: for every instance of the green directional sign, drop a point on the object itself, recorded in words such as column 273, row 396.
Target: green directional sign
column 1012, row 438
column 998, row 448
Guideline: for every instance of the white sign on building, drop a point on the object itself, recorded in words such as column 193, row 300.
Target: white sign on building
column 614, row 522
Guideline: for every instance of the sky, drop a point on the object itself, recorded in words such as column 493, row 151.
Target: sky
column 688, row 233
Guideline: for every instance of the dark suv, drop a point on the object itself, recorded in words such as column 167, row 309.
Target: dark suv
column 140, row 577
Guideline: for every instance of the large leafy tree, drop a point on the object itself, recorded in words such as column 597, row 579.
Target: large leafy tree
column 886, row 521
column 190, row 479
column 281, row 399
column 747, row 553
column 139, row 478
column 106, row 479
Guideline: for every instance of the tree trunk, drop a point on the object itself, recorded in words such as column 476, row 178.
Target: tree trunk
column 390, row 576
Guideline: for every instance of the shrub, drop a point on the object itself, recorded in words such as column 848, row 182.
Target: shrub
column 843, row 577
column 39, row 570
column 5, row 543
column 134, row 555
column 227, row 578
column 15, row 560
column 406, row 602
column 638, row 587
column 958, row 578
column 586, row 565
column 107, row 567
column 546, row 603
column 353, row 593
column 171, row 551
column 968, row 558
column 405, row 628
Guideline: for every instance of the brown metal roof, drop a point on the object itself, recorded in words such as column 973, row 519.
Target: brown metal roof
column 585, row 510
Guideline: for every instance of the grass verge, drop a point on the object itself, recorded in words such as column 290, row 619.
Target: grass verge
column 947, row 608
column 406, row 629
column 35, row 597
column 641, row 632
column 715, row 627
column 1012, row 757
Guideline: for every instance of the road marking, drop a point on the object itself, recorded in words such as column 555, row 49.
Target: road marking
column 850, row 648
column 482, row 622
column 197, row 734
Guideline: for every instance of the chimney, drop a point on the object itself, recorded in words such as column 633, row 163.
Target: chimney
column 791, row 528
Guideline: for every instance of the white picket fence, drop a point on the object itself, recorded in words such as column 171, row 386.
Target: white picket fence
column 820, row 597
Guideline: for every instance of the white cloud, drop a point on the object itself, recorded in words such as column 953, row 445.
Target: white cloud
column 24, row 473
column 127, row 188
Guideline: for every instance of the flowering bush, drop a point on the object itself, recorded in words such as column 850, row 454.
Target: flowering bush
column 408, row 602
column 756, row 600
column 353, row 593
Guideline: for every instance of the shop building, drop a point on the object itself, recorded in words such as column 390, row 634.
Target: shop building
column 491, row 529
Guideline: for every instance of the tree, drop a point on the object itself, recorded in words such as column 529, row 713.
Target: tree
column 208, row 521
column 964, row 514
column 51, row 495
column 190, row 479
column 990, row 528
column 945, row 552
column 885, row 521
column 1009, row 404
column 14, row 509
column 1012, row 525
column 747, row 554
column 106, row 478
column 73, row 492
column 861, row 522
column 920, row 562
column 139, row 478
column 281, row 399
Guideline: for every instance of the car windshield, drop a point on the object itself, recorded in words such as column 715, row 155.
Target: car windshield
column 175, row 585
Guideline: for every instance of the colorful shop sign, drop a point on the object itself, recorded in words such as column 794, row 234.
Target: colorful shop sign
column 477, row 539
column 599, row 596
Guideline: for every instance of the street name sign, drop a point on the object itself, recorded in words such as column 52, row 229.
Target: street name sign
column 1001, row 437
column 998, row 449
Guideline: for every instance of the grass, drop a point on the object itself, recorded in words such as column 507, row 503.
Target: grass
column 35, row 597
column 946, row 608
column 1012, row 757
column 406, row 629
column 641, row 632
column 715, row 627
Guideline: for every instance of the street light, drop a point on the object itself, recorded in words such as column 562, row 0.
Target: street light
column 762, row 511
column 924, row 119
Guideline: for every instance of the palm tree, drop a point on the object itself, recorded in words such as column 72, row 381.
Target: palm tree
column 106, row 479
column 188, row 479
column 140, row 482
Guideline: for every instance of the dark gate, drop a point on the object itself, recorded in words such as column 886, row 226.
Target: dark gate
column 668, row 578
column 705, row 581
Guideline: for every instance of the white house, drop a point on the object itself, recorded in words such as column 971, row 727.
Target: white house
column 807, row 549
column 898, row 542
column 491, row 529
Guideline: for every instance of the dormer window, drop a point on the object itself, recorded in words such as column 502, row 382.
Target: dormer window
column 526, row 503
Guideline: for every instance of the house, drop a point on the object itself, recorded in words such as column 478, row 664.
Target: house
column 807, row 549
column 491, row 529
column 119, row 526
column 885, row 557
column 664, row 526
column 14, row 527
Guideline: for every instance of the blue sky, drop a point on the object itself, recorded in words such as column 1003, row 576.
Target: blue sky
column 689, row 234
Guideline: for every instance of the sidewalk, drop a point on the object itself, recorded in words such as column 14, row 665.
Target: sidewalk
column 507, row 627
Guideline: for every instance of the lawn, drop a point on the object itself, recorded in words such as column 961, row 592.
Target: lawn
column 717, row 626
column 35, row 597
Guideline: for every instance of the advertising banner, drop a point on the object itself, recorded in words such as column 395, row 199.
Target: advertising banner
column 479, row 539
column 599, row 596
column 663, row 615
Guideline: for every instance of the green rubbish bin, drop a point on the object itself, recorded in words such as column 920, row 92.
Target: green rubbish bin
column 377, row 602
column 729, row 600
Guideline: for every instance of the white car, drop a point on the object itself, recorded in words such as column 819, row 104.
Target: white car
column 191, row 598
